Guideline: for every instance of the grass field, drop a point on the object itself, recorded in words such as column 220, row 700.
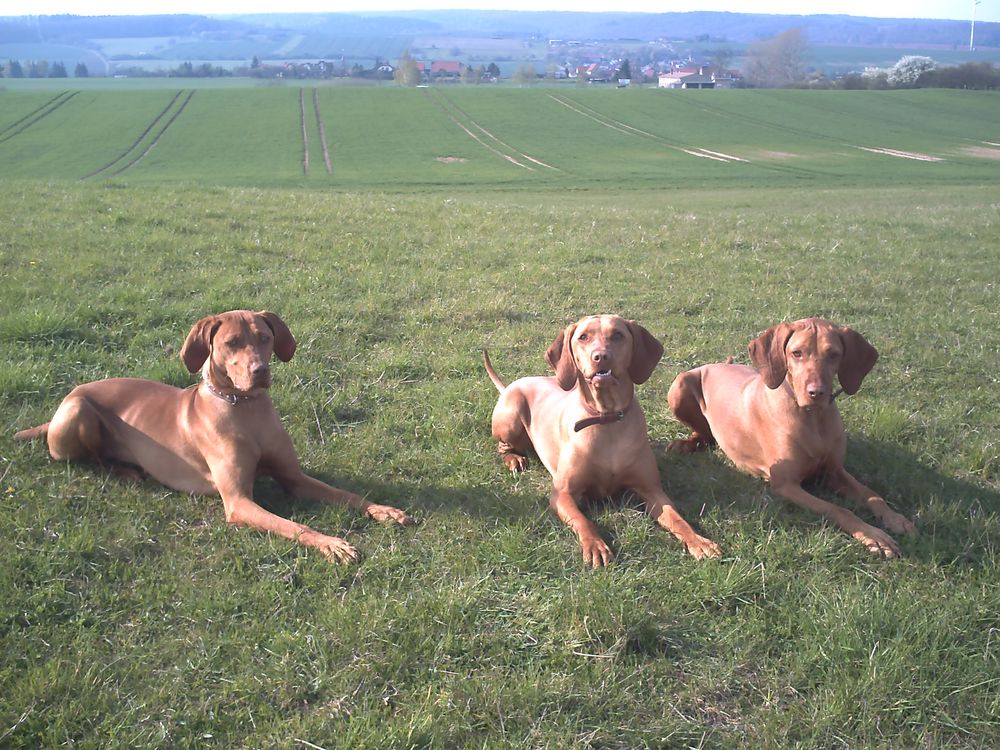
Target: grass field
column 130, row 615
column 557, row 138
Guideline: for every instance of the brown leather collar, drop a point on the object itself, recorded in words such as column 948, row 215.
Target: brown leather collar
column 607, row 417
column 230, row 398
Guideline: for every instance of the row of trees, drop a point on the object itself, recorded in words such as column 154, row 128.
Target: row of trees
column 40, row 69
column 915, row 71
column 776, row 62
column 782, row 61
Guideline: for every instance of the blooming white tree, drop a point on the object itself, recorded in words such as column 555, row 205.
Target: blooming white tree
column 909, row 68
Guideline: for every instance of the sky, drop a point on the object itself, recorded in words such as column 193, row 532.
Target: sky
column 985, row 10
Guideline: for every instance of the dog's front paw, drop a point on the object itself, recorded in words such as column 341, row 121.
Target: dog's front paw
column 386, row 513
column 877, row 541
column 699, row 547
column 897, row 523
column 515, row 462
column 596, row 553
column 687, row 445
column 334, row 549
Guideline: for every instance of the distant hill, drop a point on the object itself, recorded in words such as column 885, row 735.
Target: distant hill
column 733, row 27
column 129, row 45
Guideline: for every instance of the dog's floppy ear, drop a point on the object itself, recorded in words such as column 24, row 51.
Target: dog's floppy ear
column 767, row 352
column 198, row 343
column 858, row 360
column 646, row 353
column 284, row 342
column 560, row 357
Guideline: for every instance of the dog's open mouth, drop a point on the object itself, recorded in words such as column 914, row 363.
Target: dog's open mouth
column 603, row 377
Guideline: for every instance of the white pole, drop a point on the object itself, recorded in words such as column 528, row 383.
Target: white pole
column 972, row 26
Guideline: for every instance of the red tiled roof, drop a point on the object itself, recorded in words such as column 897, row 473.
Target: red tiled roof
column 446, row 66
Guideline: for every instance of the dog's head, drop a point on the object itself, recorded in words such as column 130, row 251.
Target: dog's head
column 809, row 352
column 234, row 348
column 603, row 350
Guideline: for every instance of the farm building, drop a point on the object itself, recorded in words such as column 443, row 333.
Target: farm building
column 686, row 80
column 443, row 68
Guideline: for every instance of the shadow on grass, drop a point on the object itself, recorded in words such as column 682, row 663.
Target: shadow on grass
column 956, row 519
column 499, row 501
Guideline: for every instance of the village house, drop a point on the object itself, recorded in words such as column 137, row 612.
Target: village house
column 446, row 69
column 697, row 78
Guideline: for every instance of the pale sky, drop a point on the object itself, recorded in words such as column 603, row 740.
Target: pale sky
column 985, row 10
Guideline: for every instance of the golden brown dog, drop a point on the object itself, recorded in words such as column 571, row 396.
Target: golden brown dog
column 587, row 428
column 210, row 439
column 781, row 422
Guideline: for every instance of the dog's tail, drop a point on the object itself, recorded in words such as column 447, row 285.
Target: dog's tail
column 30, row 434
column 493, row 373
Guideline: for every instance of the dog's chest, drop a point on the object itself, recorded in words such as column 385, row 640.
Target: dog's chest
column 811, row 447
column 602, row 463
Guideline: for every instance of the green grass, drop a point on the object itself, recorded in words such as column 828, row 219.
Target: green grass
column 554, row 138
column 132, row 616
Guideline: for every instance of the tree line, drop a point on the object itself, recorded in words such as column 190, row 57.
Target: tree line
column 782, row 61
column 40, row 69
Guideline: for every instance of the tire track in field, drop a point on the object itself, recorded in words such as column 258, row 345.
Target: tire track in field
column 759, row 122
column 810, row 135
column 798, row 172
column 901, row 154
column 305, row 135
column 322, row 132
column 136, row 142
column 436, row 99
column 488, row 134
column 784, row 169
column 35, row 111
column 158, row 136
column 16, row 128
column 624, row 127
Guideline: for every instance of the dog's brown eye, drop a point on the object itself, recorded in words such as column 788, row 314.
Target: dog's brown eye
column 582, row 337
column 617, row 336
column 797, row 354
column 232, row 343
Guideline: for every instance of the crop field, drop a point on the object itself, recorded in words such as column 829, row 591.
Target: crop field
column 450, row 221
column 548, row 138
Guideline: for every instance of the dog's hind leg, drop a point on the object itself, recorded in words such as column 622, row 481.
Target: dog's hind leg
column 685, row 399
column 513, row 442
column 76, row 432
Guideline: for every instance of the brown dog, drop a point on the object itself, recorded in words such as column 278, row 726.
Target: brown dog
column 210, row 439
column 587, row 428
column 780, row 421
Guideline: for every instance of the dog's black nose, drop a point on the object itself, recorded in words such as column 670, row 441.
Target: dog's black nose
column 816, row 392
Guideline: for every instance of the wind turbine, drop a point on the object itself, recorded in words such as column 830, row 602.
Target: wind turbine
column 972, row 27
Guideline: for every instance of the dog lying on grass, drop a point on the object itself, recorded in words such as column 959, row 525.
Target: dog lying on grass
column 211, row 439
column 780, row 421
column 588, row 430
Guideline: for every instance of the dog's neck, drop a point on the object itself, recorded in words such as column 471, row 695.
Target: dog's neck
column 230, row 396
column 228, row 393
column 605, row 406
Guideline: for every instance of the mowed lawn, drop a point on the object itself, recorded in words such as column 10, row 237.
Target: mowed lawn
column 130, row 615
column 555, row 137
